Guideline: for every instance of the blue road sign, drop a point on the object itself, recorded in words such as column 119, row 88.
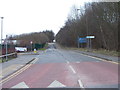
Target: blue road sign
column 82, row 40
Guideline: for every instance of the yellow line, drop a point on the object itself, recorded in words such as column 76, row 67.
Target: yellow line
column 101, row 59
column 15, row 74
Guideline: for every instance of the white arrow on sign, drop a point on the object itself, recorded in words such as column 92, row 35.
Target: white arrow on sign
column 56, row 84
column 21, row 85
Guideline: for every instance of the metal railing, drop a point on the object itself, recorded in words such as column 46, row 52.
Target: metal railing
column 7, row 55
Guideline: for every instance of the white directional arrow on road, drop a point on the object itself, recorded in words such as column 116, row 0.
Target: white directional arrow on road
column 56, row 84
column 21, row 85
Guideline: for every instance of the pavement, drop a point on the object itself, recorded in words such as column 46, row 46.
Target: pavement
column 15, row 64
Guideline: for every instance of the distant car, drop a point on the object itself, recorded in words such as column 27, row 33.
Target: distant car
column 20, row 49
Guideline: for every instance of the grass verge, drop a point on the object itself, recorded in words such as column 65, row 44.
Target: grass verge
column 46, row 45
column 4, row 60
column 42, row 49
column 98, row 51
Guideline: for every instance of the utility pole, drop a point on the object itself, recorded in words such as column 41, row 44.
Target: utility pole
column 78, row 42
column 1, row 33
column 88, row 41
column 6, row 49
column 31, row 45
column 86, row 22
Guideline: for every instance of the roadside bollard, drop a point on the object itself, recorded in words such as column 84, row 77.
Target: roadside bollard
column 35, row 51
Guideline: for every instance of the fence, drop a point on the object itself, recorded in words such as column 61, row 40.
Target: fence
column 11, row 55
column 10, row 49
column 8, row 55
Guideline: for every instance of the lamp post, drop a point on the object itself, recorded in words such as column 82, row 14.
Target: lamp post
column 86, row 22
column 6, row 48
column 1, row 33
column 78, row 35
column 31, row 45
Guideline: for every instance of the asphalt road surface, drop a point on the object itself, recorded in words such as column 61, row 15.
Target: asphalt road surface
column 66, row 69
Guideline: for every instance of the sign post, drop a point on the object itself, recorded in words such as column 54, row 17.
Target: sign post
column 78, row 42
column 82, row 40
column 6, row 49
column 90, row 41
column 1, row 36
column 31, row 45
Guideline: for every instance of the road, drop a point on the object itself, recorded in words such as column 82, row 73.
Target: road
column 64, row 68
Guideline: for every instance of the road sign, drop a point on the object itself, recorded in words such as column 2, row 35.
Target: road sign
column 82, row 40
column 90, row 36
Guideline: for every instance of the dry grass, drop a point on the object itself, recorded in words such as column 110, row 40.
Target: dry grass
column 99, row 51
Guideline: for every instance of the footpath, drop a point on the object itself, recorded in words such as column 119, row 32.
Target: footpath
column 15, row 64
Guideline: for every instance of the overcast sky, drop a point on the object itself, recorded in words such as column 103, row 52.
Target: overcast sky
column 25, row 16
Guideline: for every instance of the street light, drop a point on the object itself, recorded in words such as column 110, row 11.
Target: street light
column 88, row 45
column 6, row 48
column 1, row 28
column 1, row 32
column 78, row 35
column 31, row 45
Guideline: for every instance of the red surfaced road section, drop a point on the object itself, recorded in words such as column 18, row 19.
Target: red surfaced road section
column 90, row 73
column 42, row 75
column 97, row 73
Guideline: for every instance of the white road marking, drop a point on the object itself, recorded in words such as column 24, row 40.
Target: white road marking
column 56, row 84
column 77, row 62
column 72, row 69
column 92, row 57
column 100, row 59
column 80, row 84
column 67, row 62
column 20, row 85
